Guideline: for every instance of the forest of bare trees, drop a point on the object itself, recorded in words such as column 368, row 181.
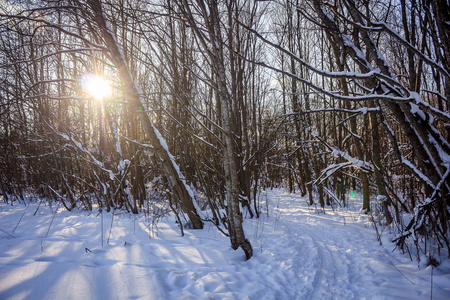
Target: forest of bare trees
column 212, row 101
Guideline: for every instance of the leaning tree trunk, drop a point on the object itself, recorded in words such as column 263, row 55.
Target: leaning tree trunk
column 429, row 146
column 178, row 186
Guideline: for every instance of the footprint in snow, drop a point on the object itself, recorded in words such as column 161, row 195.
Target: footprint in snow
column 177, row 279
column 95, row 251
column 100, row 263
column 50, row 259
column 211, row 286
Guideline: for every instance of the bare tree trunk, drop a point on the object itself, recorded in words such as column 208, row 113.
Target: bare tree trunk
column 212, row 43
column 378, row 167
column 178, row 186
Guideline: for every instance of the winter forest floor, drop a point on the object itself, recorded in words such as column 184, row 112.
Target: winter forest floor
column 298, row 254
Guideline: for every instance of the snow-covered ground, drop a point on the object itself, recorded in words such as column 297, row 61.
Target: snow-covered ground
column 298, row 254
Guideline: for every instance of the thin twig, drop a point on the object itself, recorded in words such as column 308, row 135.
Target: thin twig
column 20, row 219
column 431, row 296
column 396, row 267
column 376, row 228
column 110, row 228
column 7, row 233
column 101, row 218
column 53, row 218
column 39, row 205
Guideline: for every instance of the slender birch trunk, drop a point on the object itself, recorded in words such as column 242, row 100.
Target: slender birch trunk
column 213, row 44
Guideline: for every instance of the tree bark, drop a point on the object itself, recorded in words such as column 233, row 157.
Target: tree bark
column 178, row 186
column 212, row 43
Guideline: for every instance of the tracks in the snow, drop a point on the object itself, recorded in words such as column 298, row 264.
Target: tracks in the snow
column 324, row 257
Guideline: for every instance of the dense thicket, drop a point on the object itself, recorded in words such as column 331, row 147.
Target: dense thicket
column 213, row 100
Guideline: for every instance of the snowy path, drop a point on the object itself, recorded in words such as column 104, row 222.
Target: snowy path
column 299, row 254
column 337, row 258
column 334, row 256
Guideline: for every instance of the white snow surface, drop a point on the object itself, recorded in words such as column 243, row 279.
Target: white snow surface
column 299, row 253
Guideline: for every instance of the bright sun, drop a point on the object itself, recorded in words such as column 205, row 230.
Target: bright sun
column 96, row 86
